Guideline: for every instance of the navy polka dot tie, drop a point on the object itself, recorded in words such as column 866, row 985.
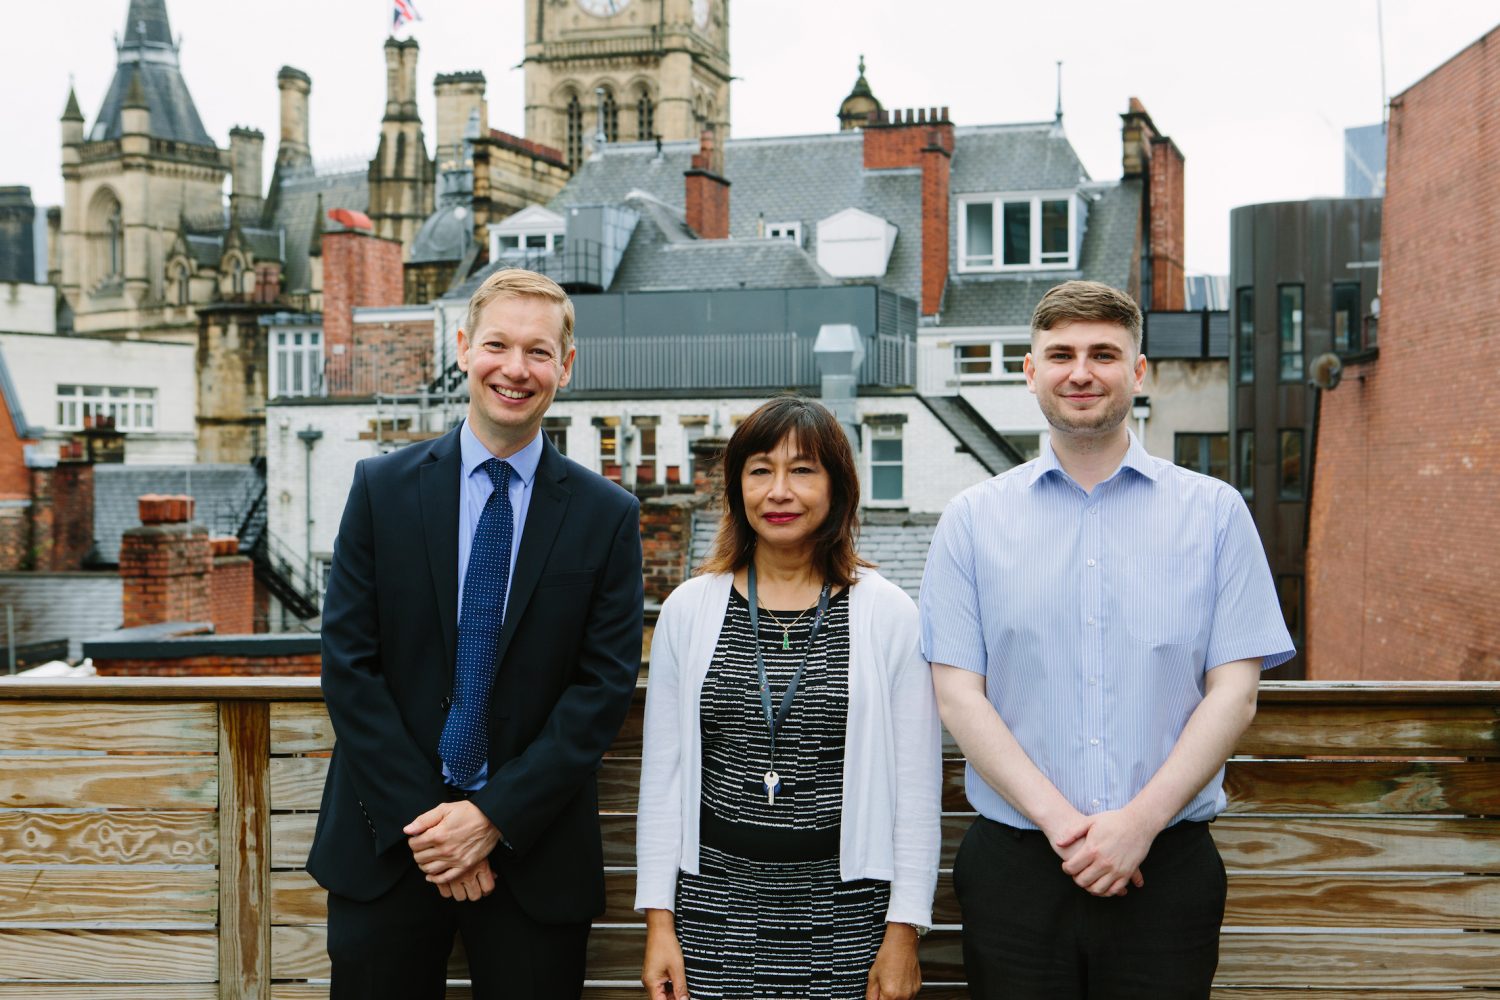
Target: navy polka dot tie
column 465, row 744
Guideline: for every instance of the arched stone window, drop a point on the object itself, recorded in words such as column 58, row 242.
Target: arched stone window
column 182, row 276
column 610, row 115
column 115, row 237
column 106, row 237
column 575, row 131
column 645, row 115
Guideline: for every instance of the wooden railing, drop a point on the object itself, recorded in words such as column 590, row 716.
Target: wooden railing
column 153, row 831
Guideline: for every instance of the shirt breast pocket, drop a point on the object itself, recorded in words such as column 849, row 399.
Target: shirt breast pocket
column 1164, row 599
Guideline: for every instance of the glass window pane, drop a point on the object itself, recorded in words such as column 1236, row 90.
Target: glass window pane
column 885, row 450
column 93, row 390
column 1054, row 231
column 1018, row 232
column 557, row 241
column 1346, row 317
column 979, row 220
column 1015, row 357
column 885, row 482
column 1290, row 323
column 1291, row 465
column 510, row 242
column 1246, row 473
column 1289, row 590
column 1218, row 456
column 1029, row 445
column 972, row 359
column 1186, row 451
column 536, row 241
column 1245, row 334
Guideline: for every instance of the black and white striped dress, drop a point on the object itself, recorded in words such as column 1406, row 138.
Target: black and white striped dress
column 755, row 929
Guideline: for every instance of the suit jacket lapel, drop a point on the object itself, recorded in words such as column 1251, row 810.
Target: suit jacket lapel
column 544, row 516
column 438, row 488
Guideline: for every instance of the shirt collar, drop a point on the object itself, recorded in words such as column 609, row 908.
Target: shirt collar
column 473, row 454
column 1136, row 458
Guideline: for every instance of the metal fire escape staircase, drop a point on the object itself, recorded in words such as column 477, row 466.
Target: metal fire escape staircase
column 288, row 577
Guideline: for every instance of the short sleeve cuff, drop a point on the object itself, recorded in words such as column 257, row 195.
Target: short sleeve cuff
column 963, row 659
column 1273, row 651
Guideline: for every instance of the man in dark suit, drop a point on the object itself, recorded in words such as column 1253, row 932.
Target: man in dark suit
column 481, row 639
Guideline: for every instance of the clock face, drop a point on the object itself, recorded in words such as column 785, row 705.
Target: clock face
column 700, row 13
column 604, row 8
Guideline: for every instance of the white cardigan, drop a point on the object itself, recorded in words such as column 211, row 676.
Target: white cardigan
column 892, row 750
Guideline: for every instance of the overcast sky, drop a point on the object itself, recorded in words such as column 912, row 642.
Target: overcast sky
column 1256, row 95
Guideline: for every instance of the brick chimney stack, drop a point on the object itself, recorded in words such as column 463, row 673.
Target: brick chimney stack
column 1156, row 161
column 165, row 564
column 708, row 190
column 919, row 137
column 359, row 269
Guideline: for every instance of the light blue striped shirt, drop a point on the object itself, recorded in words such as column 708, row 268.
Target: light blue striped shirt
column 1094, row 617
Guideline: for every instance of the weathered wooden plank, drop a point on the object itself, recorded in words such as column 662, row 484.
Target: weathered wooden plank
column 297, row 900
column 163, row 688
column 1286, row 729
column 113, row 726
column 1380, row 961
column 300, row 727
column 44, row 838
column 1369, row 787
column 108, row 991
column 1376, row 901
column 83, row 897
column 291, row 838
column 297, row 782
column 1373, row 844
column 114, row 782
column 110, row 956
column 245, row 836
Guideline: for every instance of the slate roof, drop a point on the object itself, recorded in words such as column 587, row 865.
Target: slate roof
column 896, row 543
column 1009, row 299
column 12, row 402
column 147, row 53
column 808, row 178
column 223, row 493
column 293, row 206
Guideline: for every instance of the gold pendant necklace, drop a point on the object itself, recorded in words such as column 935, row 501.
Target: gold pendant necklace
column 786, row 630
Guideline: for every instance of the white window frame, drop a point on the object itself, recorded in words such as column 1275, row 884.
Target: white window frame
column 133, row 407
column 997, row 223
column 1004, row 348
column 306, row 356
column 784, row 231
column 886, row 432
column 551, row 239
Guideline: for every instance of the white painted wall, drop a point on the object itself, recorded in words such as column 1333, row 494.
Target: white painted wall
column 1186, row 397
column 27, row 308
column 39, row 363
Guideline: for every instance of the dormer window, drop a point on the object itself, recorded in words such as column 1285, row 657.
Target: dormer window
column 785, row 231
column 533, row 230
column 1005, row 232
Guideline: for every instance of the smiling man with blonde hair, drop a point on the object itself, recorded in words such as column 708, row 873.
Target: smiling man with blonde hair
column 481, row 639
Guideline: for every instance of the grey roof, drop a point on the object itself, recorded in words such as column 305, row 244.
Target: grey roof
column 264, row 244
column 1009, row 299
column 662, row 255
column 148, row 54
column 224, row 495
column 205, row 249
column 445, row 235
column 72, row 606
column 293, row 206
column 13, row 404
column 808, row 178
column 896, row 543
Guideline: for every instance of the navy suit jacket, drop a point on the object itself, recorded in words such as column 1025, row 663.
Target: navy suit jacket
column 566, row 666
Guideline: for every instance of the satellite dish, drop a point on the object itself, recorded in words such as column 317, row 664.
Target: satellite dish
column 1326, row 371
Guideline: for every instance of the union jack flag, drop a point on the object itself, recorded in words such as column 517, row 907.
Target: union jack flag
column 403, row 12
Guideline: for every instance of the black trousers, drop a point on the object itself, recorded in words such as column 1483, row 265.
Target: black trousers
column 1030, row 933
column 396, row 947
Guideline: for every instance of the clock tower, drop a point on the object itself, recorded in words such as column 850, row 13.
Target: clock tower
column 633, row 69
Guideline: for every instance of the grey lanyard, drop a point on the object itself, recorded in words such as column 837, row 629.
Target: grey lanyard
column 774, row 721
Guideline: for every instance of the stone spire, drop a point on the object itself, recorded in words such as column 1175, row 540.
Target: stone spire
column 72, row 113
column 147, row 53
column 147, row 24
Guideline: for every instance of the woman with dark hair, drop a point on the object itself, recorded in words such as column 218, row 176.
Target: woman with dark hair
column 787, row 834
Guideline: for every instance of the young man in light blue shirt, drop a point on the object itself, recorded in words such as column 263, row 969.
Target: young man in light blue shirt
column 1097, row 620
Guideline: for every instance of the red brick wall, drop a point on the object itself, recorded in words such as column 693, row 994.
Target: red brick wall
column 15, row 479
column 164, row 572
column 707, row 206
column 70, row 489
column 358, row 270
column 1401, row 575
column 666, row 541
column 216, row 665
column 15, row 539
column 1168, row 278
column 232, row 595
column 389, row 358
column 921, row 137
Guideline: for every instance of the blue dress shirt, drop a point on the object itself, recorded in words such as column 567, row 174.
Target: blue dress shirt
column 474, row 492
column 1095, row 616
